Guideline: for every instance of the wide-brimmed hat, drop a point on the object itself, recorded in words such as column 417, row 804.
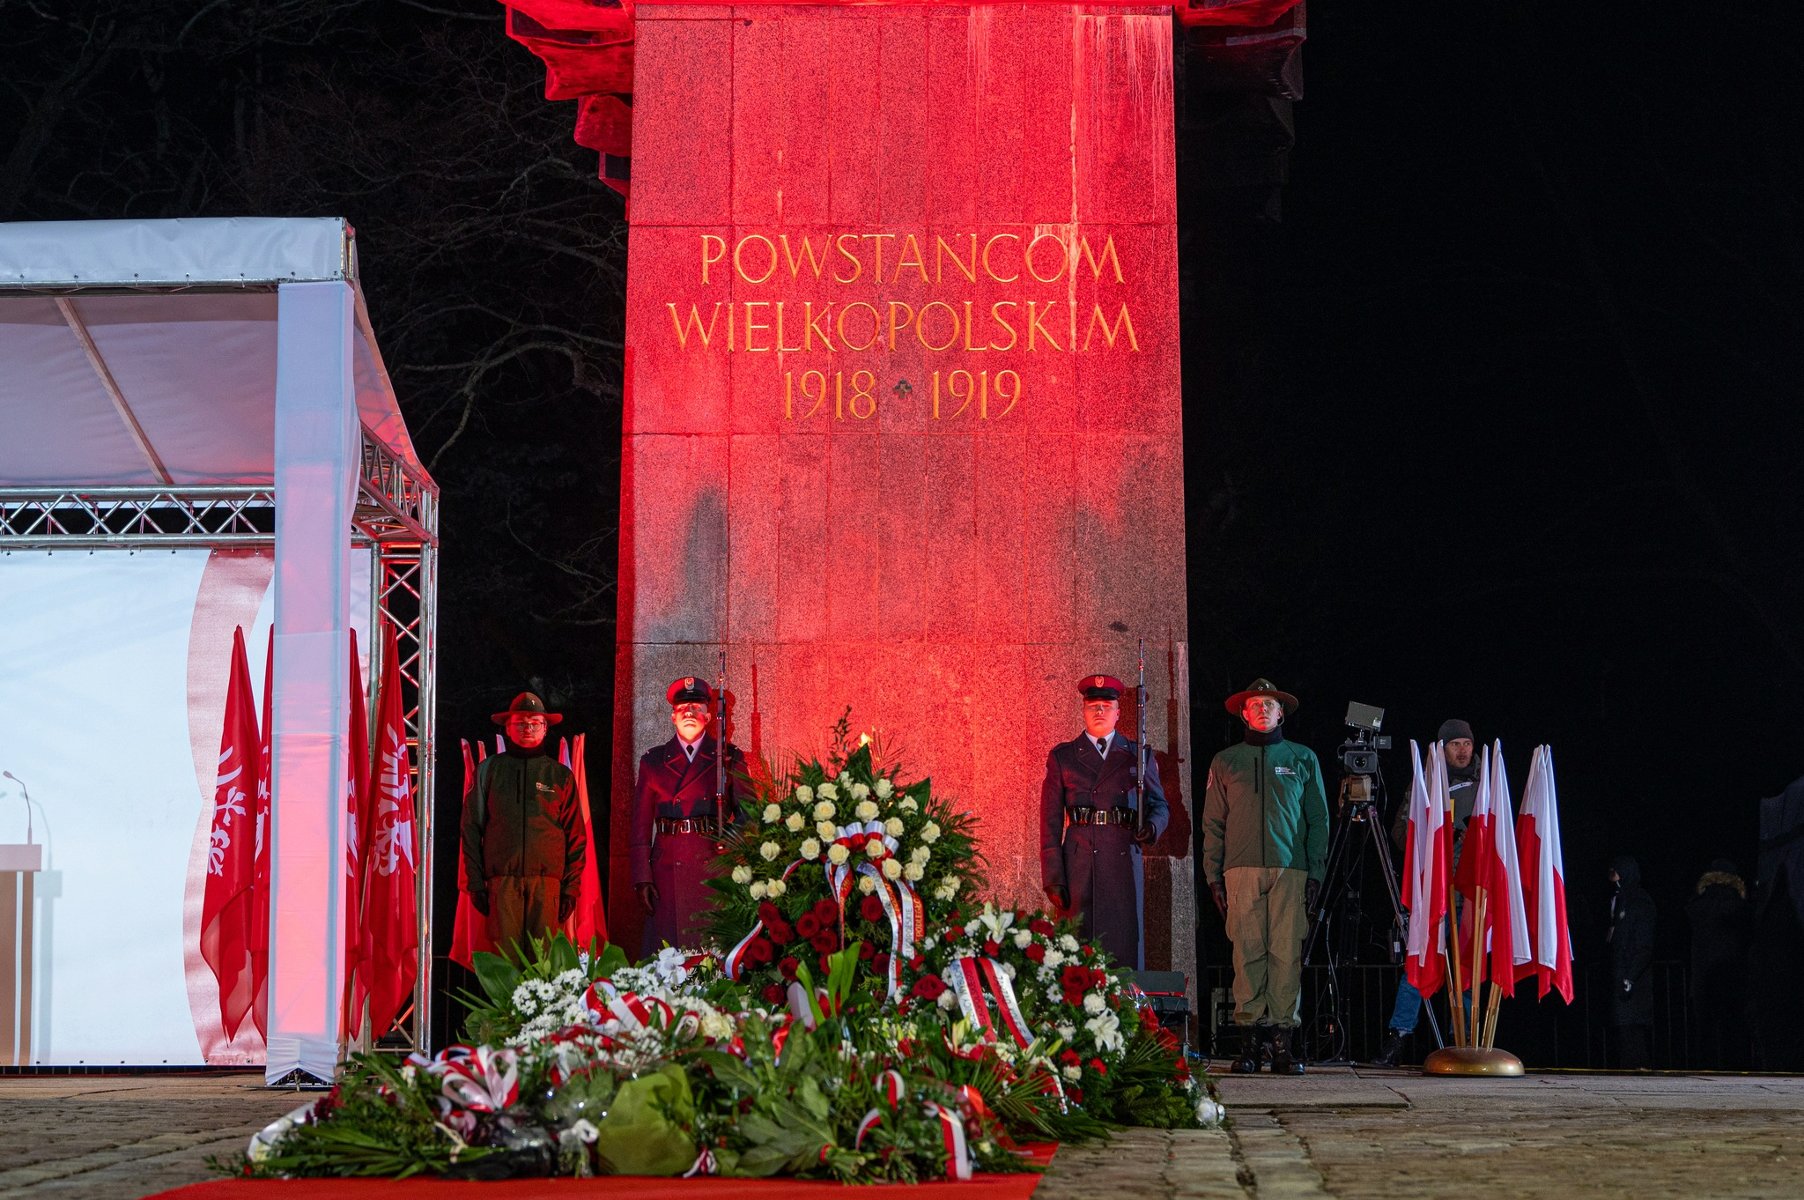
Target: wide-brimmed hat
column 526, row 702
column 1261, row 687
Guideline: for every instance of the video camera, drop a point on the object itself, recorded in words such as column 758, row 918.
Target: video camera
column 1359, row 753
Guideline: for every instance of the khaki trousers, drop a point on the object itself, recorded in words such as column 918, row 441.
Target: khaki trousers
column 1267, row 920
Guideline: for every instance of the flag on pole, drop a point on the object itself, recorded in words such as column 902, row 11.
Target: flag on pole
column 227, row 900
column 266, row 766
column 470, row 929
column 589, row 922
column 357, row 765
column 1544, row 881
column 1507, row 915
column 1425, row 880
column 390, row 904
column 1471, row 876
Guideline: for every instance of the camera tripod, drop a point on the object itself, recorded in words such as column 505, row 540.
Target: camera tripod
column 1359, row 836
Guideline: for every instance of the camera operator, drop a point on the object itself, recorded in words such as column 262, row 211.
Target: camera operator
column 1265, row 849
column 1462, row 785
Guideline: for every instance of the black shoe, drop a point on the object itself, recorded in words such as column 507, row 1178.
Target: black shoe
column 1247, row 1063
column 1282, row 1062
column 1392, row 1053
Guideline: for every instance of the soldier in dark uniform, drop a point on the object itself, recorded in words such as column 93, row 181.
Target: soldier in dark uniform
column 677, row 821
column 1090, row 836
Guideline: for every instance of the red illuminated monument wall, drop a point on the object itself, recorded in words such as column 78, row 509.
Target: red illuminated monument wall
column 902, row 424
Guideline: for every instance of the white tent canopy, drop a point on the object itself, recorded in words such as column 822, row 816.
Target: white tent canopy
column 158, row 367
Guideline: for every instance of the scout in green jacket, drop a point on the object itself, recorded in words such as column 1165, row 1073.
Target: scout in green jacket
column 1265, row 845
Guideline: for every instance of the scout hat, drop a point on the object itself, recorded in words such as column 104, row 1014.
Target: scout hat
column 528, row 703
column 1101, row 687
column 687, row 690
column 1261, row 687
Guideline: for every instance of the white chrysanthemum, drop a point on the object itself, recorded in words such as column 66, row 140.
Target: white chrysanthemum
column 1008, row 969
column 742, row 875
column 867, row 885
column 794, row 822
column 860, row 791
column 884, row 788
column 1023, row 938
column 1067, row 1032
column 824, row 810
column 1072, row 1074
column 827, row 791
column 912, row 872
column 892, row 869
column 866, row 810
column 769, row 851
column 1054, row 958
column 1067, row 943
column 930, row 832
column 946, row 999
column 1093, row 1003
column 875, row 848
column 771, row 813
column 811, row 849
column 894, row 827
column 908, row 804
column 777, row 888
column 804, row 794
column 838, row 854
column 758, row 888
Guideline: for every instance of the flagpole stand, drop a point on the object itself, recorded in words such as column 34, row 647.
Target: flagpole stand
column 1472, row 1060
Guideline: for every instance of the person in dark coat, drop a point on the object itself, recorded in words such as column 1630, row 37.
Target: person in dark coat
column 523, row 836
column 678, row 818
column 1720, row 931
column 1090, row 835
column 1631, row 939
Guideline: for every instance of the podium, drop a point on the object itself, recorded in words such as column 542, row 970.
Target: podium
column 19, row 867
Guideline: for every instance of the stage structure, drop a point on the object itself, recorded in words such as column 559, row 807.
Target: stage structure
column 902, row 421
column 198, row 429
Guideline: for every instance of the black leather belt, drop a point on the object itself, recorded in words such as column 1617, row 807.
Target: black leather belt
column 1102, row 816
column 707, row 825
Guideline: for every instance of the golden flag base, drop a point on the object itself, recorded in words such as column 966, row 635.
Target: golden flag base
column 1471, row 1060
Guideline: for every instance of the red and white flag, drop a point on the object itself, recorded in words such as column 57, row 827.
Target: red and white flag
column 1506, row 914
column 357, row 765
column 1544, row 881
column 1425, row 854
column 227, row 901
column 260, row 874
column 391, row 925
column 589, row 922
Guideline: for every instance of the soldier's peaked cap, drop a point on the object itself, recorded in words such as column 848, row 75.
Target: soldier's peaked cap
column 690, row 689
column 1101, row 687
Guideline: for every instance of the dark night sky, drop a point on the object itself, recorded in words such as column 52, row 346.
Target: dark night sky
column 1496, row 422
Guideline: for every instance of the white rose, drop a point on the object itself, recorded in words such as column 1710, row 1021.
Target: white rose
column 794, row 822
column 892, row 869
column 1072, row 1074
column 875, row 848
column 811, row 849
column 827, row 829
column 827, row 791
column 837, row 854
column 804, row 794
column 845, row 776
column 769, row 851
column 930, row 832
column 777, row 888
column 894, row 827
column 759, row 888
column 884, row 788
column 1093, row 1003
column 942, row 892
column 920, row 854
column 1023, row 939
column 912, row 872
column 866, row 810
column 824, row 810
column 742, row 875
column 771, row 813
column 860, row 791
column 908, row 804
column 866, row 884
column 952, row 882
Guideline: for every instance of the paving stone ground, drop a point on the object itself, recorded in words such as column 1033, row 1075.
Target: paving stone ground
column 1388, row 1135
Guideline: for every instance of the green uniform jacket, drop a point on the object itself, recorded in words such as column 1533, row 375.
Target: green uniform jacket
column 521, row 821
column 1264, row 807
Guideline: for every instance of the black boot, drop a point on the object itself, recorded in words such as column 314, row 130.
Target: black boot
column 1282, row 1061
column 1392, row 1053
column 1248, row 1061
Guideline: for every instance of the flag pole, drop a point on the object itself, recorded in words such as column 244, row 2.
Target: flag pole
column 1456, row 1002
column 1481, row 902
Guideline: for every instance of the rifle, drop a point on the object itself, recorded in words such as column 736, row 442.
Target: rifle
column 720, row 742
column 1140, row 746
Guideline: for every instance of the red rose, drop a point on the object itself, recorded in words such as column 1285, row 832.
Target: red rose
column 781, row 933
column 880, row 963
column 807, row 925
column 1074, row 978
column 991, row 948
column 825, row 912
column 1098, row 978
column 787, row 968
column 928, row 987
column 826, row 941
column 871, row 908
column 1036, row 953
column 760, row 951
column 1042, row 926
column 867, row 951
column 1076, row 1095
column 1074, row 997
column 1097, row 1066
column 767, row 912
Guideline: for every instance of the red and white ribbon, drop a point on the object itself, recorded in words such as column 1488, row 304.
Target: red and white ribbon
column 704, row 1165
column 952, row 1137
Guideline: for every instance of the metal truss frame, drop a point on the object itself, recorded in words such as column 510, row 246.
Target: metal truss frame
column 395, row 518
